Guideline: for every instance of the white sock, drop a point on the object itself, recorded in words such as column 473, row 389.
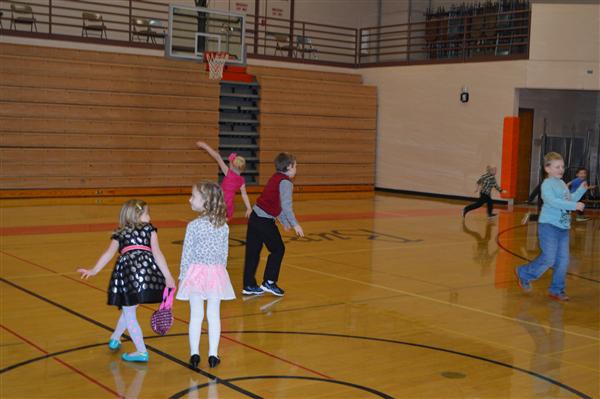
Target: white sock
column 213, row 314
column 134, row 329
column 120, row 328
column 196, row 318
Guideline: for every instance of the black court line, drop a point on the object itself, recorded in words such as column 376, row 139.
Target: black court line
column 181, row 394
column 49, row 355
column 153, row 349
column 496, row 362
column 529, row 260
column 386, row 340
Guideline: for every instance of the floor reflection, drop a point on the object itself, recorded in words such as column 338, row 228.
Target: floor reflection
column 131, row 391
column 548, row 343
column 481, row 252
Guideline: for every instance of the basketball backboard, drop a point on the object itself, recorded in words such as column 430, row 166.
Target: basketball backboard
column 194, row 30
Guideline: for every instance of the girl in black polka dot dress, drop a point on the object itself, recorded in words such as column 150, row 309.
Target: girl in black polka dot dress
column 140, row 274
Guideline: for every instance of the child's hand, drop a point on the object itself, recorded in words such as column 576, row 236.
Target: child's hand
column 299, row 231
column 85, row 273
column 580, row 206
column 169, row 282
column 248, row 212
column 201, row 144
column 585, row 185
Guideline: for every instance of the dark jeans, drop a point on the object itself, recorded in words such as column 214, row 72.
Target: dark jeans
column 483, row 199
column 262, row 231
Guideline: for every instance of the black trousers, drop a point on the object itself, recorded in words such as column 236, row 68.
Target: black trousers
column 262, row 231
column 483, row 199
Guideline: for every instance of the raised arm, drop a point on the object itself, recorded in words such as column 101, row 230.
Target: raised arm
column 214, row 154
column 246, row 201
column 112, row 249
column 551, row 198
column 160, row 260
column 580, row 192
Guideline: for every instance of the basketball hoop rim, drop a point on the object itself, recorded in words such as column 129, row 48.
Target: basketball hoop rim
column 211, row 55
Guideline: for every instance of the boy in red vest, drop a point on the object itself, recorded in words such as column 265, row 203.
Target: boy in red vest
column 275, row 202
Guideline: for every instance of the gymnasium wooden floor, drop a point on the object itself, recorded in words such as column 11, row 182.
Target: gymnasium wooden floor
column 387, row 296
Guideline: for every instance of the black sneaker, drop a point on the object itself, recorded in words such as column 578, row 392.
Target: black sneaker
column 252, row 290
column 492, row 215
column 272, row 288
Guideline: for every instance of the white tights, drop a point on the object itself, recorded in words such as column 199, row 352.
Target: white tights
column 213, row 316
column 128, row 321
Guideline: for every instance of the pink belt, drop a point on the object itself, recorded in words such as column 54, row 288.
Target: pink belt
column 135, row 247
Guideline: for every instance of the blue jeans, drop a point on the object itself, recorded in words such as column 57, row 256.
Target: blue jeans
column 554, row 243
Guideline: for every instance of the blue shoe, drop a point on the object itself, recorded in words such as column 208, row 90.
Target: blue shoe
column 141, row 358
column 252, row 290
column 114, row 344
column 272, row 288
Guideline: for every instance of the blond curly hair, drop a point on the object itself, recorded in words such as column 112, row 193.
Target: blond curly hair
column 214, row 203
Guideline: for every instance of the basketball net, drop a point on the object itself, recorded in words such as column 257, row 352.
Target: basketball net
column 216, row 62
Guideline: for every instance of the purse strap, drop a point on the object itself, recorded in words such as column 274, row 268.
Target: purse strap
column 168, row 296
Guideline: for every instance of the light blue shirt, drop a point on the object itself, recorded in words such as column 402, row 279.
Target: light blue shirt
column 558, row 202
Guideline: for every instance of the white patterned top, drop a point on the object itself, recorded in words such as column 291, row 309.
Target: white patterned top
column 204, row 244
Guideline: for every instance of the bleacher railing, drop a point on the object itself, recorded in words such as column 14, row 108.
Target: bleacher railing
column 492, row 36
column 461, row 38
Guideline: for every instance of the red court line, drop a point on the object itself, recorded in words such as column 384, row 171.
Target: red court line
column 90, row 228
column 176, row 318
column 72, row 368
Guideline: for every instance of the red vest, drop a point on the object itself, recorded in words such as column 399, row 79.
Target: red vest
column 269, row 200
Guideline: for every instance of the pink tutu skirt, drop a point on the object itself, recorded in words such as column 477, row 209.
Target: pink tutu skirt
column 208, row 281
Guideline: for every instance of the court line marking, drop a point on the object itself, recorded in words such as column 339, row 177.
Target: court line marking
column 467, row 335
column 60, row 361
column 189, row 390
column 329, row 335
column 424, row 346
column 107, row 328
column 499, row 243
column 440, row 301
column 79, row 281
column 26, row 276
column 395, row 296
column 97, row 227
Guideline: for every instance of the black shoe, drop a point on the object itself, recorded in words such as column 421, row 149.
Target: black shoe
column 194, row 362
column 213, row 361
column 252, row 290
column 272, row 288
column 492, row 215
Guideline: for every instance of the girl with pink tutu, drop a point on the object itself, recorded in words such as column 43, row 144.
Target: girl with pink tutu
column 203, row 274
column 233, row 180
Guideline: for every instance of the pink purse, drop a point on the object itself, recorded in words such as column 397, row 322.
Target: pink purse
column 162, row 319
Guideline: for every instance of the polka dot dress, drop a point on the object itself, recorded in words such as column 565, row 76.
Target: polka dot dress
column 136, row 277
